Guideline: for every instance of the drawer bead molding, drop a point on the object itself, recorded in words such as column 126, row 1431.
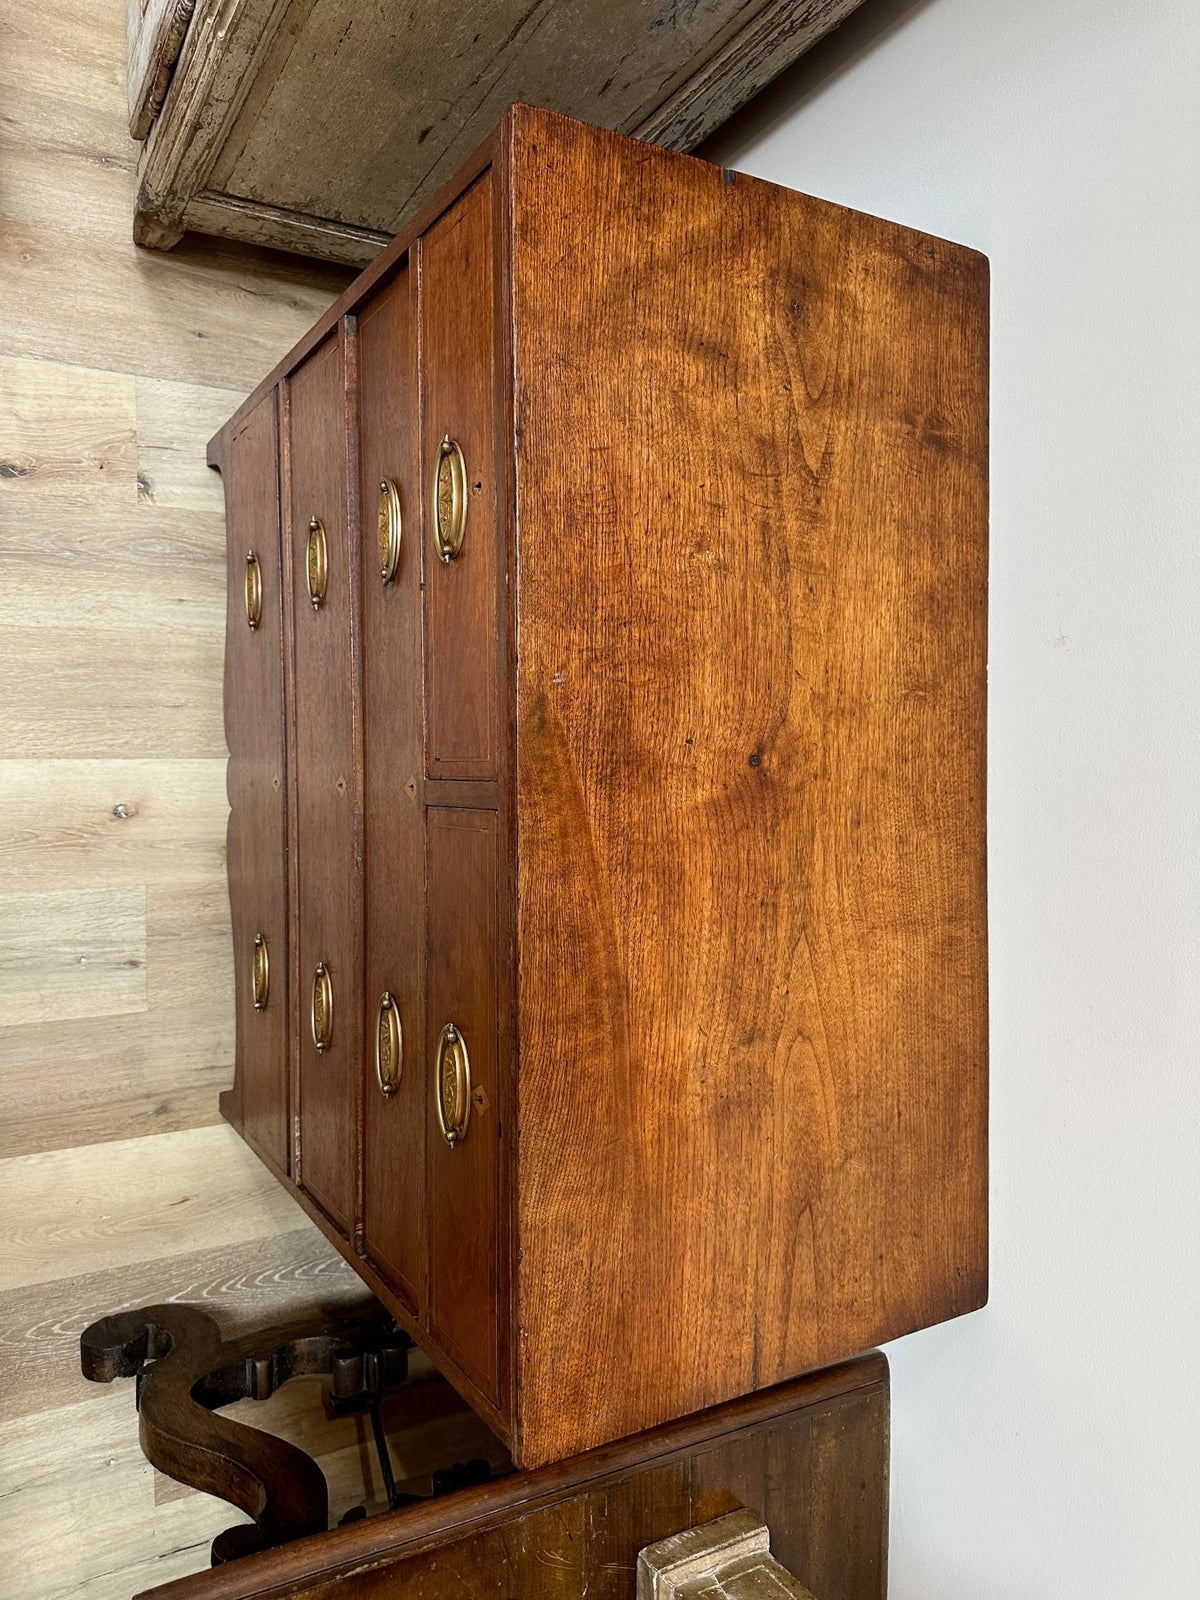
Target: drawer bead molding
column 253, row 590
column 321, row 1009
column 389, row 1047
column 452, row 1077
column 728, row 1559
column 260, row 972
column 390, row 531
column 316, row 565
column 449, row 499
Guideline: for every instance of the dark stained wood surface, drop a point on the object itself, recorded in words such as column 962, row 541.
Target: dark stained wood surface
column 457, row 399
column 256, row 782
column 329, row 909
column 464, row 1291
column 393, row 789
column 811, row 1458
column 752, row 546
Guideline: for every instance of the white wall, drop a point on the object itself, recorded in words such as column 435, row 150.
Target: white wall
column 1049, row 1446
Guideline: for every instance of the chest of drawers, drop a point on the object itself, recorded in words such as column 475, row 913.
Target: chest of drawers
column 605, row 688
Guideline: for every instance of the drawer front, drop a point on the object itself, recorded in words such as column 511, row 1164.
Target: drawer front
column 256, row 843
column 464, row 1289
column 459, row 485
column 329, row 1007
column 395, row 1100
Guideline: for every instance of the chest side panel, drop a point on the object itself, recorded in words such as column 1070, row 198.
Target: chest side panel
column 751, row 548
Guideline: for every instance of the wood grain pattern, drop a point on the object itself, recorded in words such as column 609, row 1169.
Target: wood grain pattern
column 204, row 321
column 67, row 1207
column 752, row 903
column 170, row 415
column 72, row 953
column 245, row 1283
column 69, row 1081
column 111, row 824
column 66, row 1471
column 114, row 369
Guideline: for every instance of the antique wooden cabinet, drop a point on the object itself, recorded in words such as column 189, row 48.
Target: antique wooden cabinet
column 605, row 701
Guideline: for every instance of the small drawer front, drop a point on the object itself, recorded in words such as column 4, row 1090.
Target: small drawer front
column 463, row 1088
column 458, row 483
column 329, row 1012
column 256, row 843
column 390, row 559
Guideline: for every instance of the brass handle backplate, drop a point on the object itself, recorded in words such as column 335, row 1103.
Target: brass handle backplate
column 389, row 1047
column 449, row 499
column 316, row 562
column 253, row 590
column 261, row 973
column 452, row 1085
column 390, row 531
column 321, row 1012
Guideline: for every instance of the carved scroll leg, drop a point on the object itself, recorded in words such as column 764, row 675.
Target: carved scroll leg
column 171, row 1350
column 121, row 1345
column 729, row 1559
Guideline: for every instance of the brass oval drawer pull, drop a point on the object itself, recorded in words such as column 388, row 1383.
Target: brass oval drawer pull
column 449, row 499
column 389, row 1047
column 321, row 1011
column 253, row 590
column 390, row 530
column 316, row 562
column 452, row 1080
column 261, row 972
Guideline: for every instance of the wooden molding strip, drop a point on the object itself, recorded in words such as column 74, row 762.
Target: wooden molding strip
column 218, row 63
column 155, row 40
column 277, row 229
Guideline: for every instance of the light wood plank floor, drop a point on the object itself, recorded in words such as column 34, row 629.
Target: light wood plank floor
column 118, row 1185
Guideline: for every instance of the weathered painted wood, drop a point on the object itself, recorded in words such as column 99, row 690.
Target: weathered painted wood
column 323, row 126
column 156, row 33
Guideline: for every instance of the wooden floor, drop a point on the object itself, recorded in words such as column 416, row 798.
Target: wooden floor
column 117, row 1184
